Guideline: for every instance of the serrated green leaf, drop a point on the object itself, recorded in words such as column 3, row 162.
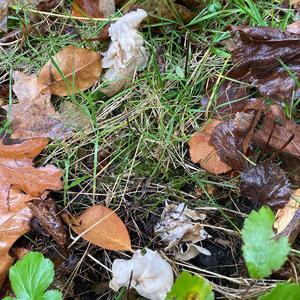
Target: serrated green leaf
column 190, row 287
column 261, row 251
column 31, row 276
column 286, row 291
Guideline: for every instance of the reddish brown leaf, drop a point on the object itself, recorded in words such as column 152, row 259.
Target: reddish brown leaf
column 288, row 219
column 202, row 151
column 258, row 53
column 34, row 115
column 228, row 138
column 81, row 69
column 102, row 227
column 93, row 8
column 277, row 130
column 267, row 184
column 46, row 214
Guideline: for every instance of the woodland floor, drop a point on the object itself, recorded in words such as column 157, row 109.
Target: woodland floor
column 137, row 156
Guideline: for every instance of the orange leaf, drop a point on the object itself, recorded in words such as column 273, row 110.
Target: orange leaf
column 202, row 151
column 102, row 227
column 81, row 69
column 20, row 182
column 16, row 168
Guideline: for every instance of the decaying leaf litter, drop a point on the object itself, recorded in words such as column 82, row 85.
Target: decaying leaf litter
column 143, row 120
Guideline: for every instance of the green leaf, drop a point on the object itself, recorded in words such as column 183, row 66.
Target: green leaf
column 286, row 291
column 190, row 287
column 31, row 276
column 261, row 251
column 52, row 295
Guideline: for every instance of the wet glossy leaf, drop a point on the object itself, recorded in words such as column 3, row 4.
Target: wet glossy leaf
column 277, row 130
column 34, row 116
column 70, row 70
column 229, row 139
column 102, row 227
column 267, row 184
column 202, row 151
column 258, row 54
column 47, row 216
column 261, row 251
column 288, row 219
column 93, row 8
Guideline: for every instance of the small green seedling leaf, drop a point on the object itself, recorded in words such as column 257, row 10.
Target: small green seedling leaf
column 261, row 251
column 31, row 276
column 286, row 291
column 188, row 287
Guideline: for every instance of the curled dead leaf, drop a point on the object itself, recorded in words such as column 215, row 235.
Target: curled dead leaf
column 287, row 221
column 229, row 137
column 93, row 9
column 266, row 183
column 202, row 151
column 81, row 68
column 102, row 227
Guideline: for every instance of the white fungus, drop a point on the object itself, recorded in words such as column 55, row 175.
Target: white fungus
column 149, row 274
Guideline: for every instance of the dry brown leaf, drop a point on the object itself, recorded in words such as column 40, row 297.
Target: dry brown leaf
column 158, row 9
column 13, row 225
column 34, row 115
column 93, row 8
column 277, row 130
column 294, row 27
column 102, row 227
column 81, row 69
column 16, row 168
column 202, row 151
column 20, row 182
column 288, row 219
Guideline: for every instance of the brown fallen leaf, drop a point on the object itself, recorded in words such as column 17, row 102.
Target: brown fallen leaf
column 267, row 184
column 228, row 138
column 171, row 10
column 93, row 8
column 81, row 68
column 34, row 115
column 287, row 221
column 46, row 214
column 16, row 168
column 102, row 227
column 294, row 27
column 20, row 182
column 13, row 224
column 258, row 53
column 279, row 132
column 202, row 151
